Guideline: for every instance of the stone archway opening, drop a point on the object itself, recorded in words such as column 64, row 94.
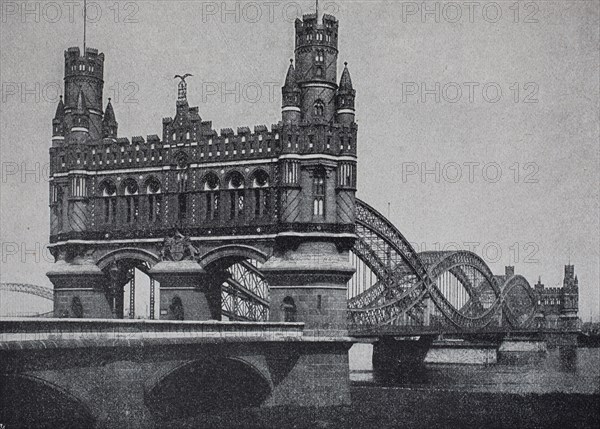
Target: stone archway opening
column 27, row 402
column 242, row 291
column 130, row 291
column 208, row 386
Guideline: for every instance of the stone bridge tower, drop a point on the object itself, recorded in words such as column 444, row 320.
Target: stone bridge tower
column 185, row 207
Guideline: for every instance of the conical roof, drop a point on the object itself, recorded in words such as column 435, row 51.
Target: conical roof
column 60, row 110
column 109, row 114
column 290, row 79
column 346, row 81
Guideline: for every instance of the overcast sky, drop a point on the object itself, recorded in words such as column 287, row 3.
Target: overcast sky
column 509, row 140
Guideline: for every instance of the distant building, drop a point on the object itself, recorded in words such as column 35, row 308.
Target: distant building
column 559, row 302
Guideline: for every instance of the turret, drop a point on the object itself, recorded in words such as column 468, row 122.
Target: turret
column 570, row 293
column 85, row 74
column 291, row 97
column 316, row 67
column 345, row 99
column 58, row 123
column 109, row 123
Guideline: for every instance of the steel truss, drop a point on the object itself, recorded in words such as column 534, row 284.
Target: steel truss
column 412, row 289
column 41, row 291
column 245, row 293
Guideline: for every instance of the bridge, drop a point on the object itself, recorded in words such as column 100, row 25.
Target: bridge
column 395, row 290
column 263, row 266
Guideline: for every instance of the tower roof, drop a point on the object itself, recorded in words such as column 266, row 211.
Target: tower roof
column 60, row 110
column 290, row 79
column 346, row 81
column 109, row 114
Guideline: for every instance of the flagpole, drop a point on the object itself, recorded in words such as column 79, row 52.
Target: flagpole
column 84, row 24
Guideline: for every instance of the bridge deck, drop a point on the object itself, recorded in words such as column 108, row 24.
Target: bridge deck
column 364, row 332
column 72, row 333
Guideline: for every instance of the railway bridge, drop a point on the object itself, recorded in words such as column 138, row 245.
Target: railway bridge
column 263, row 266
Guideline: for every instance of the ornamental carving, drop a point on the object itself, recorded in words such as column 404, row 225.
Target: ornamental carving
column 178, row 247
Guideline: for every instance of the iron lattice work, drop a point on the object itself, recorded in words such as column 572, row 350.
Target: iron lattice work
column 41, row 291
column 454, row 290
column 519, row 302
column 245, row 293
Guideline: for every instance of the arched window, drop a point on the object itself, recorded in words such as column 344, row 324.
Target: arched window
column 182, row 187
column 109, row 195
column 320, row 56
column 289, row 309
column 211, row 187
column 57, row 200
column 262, row 194
column 319, row 181
column 319, row 108
column 153, row 190
column 235, row 184
column 131, row 191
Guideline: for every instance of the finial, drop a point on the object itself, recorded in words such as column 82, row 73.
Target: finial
column 291, row 61
column 182, row 91
column 109, row 99
column 346, row 63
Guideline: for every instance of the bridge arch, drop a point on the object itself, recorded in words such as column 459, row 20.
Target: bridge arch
column 130, row 253
column 519, row 301
column 208, row 385
column 410, row 287
column 41, row 291
column 27, row 401
column 232, row 252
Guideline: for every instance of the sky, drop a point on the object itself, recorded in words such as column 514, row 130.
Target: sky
column 478, row 122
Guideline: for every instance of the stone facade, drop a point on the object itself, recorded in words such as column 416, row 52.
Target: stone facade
column 267, row 194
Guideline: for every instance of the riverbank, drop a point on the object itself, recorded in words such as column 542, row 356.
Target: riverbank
column 392, row 407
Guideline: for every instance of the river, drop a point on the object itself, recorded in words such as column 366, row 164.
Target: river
column 560, row 370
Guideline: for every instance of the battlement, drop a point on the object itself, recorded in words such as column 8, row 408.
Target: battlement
column 90, row 64
column 310, row 32
column 212, row 146
column 311, row 19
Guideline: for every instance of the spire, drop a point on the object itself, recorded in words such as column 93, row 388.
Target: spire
column 60, row 110
column 345, row 99
column 291, row 96
column 58, row 123
column 109, row 122
column 109, row 114
column 346, row 81
column 290, row 79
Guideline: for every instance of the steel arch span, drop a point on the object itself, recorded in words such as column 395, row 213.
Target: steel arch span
column 41, row 291
column 438, row 290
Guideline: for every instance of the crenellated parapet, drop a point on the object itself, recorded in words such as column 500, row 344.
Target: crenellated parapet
column 212, row 146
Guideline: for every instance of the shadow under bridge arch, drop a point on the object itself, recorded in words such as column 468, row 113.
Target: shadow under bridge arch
column 213, row 384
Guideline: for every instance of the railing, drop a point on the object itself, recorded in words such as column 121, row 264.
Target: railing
column 59, row 330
